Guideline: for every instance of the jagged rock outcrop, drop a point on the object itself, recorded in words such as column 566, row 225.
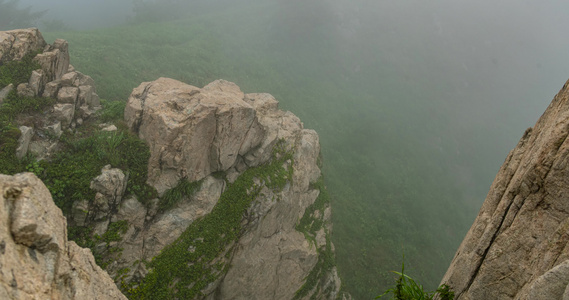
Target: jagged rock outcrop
column 196, row 133
column 209, row 147
column 36, row 259
column 518, row 246
column 75, row 94
column 15, row 44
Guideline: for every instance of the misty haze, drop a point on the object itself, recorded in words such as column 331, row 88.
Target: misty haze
column 417, row 103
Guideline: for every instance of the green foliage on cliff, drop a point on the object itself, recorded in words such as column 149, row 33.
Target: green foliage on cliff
column 186, row 267
column 408, row 289
column 310, row 224
column 69, row 173
column 16, row 72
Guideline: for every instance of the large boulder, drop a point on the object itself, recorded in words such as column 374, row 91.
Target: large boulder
column 38, row 262
column 15, row 44
column 517, row 247
column 54, row 60
column 191, row 132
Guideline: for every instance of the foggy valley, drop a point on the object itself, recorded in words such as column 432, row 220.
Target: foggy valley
column 417, row 103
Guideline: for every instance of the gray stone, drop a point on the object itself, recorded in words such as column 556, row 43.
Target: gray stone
column 15, row 44
column 24, row 141
column 68, row 94
column 55, row 130
column 194, row 132
column 84, row 80
column 54, row 60
column 86, row 95
column 552, row 284
column 69, row 78
column 516, row 248
column 24, row 90
column 109, row 128
column 52, row 89
column 42, row 264
column 64, row 113
column 111, row 185
column 5, row 91
column 37, row 82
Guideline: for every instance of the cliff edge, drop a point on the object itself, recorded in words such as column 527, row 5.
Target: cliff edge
column 518, row 246
column 186, row 193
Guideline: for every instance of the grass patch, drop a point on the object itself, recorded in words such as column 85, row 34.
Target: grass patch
column 186, row 267
column 112, row 110
column 408, row 289
column 184, row 189
column 18, row 71
column 68, row 175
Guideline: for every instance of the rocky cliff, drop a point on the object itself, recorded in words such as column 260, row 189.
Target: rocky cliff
column 36, row 259
column 232, row 203
column 518, row 246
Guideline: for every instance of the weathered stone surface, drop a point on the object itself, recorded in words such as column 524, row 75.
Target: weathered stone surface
column 24, row 141
column 5, row 91
column 69, row 78
column 51, row 89
column 37, row 260
column 25, row 90
column 517, row 246
column 15, row 44
column 54, row 130
column 68, row 94
column 191, row 132
column 54, row 60
column 86, row 95
column 37, row 82
column 111, row 184
column 64, row 113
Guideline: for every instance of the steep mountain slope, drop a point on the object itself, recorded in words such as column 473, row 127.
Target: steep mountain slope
column 517, row 247
column 199, row 193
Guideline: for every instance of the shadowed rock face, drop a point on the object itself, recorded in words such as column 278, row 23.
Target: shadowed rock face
column 517, row 247
column 37, row 261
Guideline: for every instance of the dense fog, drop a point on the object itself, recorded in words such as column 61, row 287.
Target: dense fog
column 417, row 103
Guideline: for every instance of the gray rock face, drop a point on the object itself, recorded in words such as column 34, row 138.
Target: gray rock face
column 517, row 246
column 191, row 132
column 24, row 141
column 15, row 44
column 37, row 260
column 5, row 91
column 54, row 60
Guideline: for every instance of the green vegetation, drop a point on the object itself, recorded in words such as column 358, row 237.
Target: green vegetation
column 69, row 173
column 16, row 72
column 195, row 259
column 109, row 251
column 184, row 189
column 311, row 222
column 407, row 289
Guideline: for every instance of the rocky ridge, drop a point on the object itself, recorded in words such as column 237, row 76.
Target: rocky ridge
column 517, row 247
column 212, row 147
